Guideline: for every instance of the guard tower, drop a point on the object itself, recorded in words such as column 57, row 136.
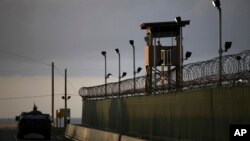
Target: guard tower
column 160, row 56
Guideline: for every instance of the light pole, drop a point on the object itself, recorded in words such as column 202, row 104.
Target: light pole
column 52, row 91
column 66, row 98
column 178, row 20
column 216, row 3
column 132, row 44
column 105, row 67
column 119, row 71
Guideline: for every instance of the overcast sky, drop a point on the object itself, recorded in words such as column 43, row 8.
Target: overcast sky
column 72, row 33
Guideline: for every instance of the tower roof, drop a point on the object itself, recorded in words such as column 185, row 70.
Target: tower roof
column 164, row 29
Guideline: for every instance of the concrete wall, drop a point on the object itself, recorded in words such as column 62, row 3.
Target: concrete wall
column 87, row 134
column 201, row 114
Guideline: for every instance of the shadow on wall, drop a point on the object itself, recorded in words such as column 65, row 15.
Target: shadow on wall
column 109, row 114
column 89, row 114
column 118, row 116
column 201, row 114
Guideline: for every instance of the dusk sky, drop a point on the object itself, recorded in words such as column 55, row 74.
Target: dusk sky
column 72, row 33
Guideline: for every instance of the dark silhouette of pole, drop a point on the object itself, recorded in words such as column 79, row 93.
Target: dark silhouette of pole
column 119, row 71
column 217, row 4
column 220, row 50
column 181, row 47
column 119, row 74
column 65, row 99
column 134, row 72
column 105, row 73
column 52, row 91
column 179, row 21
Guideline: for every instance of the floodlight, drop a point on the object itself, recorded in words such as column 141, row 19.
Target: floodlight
column 139, row 69
column 216, row 3
column 131, row 42
column 188, row 54
column 178, row 20
column 62, row 97
column 240, row 80
column 124, row 74
column 117, row 50
column 69, row 97
column 104, row 53
column 227, row 46
column 159, row 43
column 109, row 75
column 213, row 2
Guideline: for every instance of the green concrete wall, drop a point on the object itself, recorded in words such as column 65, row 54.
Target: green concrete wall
column 80, row 133
column 195, row 115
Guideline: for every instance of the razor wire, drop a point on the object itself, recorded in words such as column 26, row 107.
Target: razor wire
column 236, row 68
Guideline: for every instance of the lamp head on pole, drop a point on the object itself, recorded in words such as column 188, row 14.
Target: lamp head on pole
column 109, row 75
column 66, row 98
column 104, row 53
column 123, row 74
column 188, row 54
column 216, row 3
column 117, row 50
column 139, row 69
column 178, row 20
column 159, row 43
column 131, row 42
column 227, row 46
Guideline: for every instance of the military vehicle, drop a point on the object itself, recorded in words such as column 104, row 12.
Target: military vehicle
column 34, row 122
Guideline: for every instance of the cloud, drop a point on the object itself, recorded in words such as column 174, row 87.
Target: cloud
column 73, row 34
